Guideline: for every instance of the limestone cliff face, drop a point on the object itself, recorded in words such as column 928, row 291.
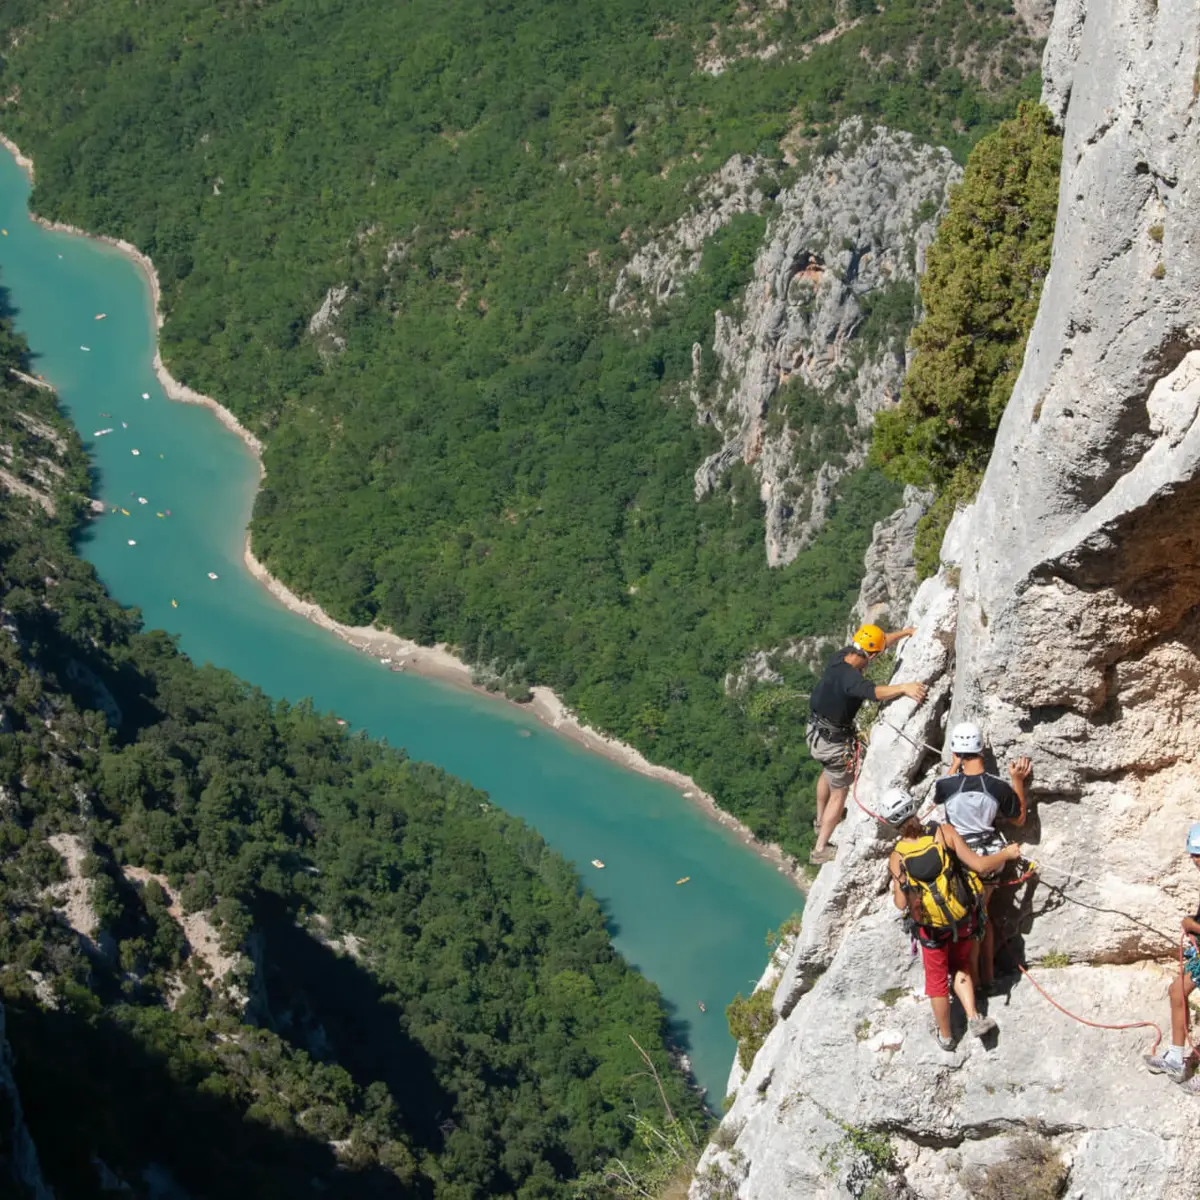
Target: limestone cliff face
column 816, row 347
column 1065, row 619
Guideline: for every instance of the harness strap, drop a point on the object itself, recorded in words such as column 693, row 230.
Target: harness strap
column 830, row 729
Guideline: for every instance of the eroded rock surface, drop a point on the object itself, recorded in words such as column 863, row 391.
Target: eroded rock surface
column 818, row 348
column 1066, row 619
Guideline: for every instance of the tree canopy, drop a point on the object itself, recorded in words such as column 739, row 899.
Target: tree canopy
column 423, row 1003
column 980, row 292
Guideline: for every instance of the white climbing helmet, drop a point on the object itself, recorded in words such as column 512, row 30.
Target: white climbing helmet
column 965, row 738
column 897, row 806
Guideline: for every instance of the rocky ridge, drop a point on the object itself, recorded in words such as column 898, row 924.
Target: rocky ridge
column 818, row 347
column 1064, row 618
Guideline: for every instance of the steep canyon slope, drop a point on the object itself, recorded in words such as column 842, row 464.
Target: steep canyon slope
column 1064, row 619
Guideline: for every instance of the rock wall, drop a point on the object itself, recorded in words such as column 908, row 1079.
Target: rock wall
column 1066, row 618
column 850, row 232
column 816, row 347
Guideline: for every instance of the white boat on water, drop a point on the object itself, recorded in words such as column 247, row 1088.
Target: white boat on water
column 213, row 575
column 597, row 864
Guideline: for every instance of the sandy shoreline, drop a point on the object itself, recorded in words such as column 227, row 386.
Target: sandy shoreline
column 436, row 662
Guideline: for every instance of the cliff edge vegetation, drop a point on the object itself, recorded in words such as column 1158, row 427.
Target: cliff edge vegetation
column 387, row 238
column 245, row 954
column 980, row 292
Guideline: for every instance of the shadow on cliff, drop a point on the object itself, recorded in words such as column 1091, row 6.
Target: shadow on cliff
column 94, row 1094
column 327, row 1005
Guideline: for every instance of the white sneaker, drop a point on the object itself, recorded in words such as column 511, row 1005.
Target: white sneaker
column 1159, row 1064
column 980, row 1027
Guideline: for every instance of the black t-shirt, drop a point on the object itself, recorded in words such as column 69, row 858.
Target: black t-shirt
column 842, row 691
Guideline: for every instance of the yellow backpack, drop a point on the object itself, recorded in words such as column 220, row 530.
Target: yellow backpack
column 941, row 892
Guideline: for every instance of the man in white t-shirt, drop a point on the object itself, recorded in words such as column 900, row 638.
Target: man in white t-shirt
column 974, row 802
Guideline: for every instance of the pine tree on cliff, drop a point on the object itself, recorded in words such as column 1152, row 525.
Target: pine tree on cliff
column 980, row 293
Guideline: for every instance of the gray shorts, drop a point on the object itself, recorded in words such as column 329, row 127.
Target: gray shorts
column 836, row 757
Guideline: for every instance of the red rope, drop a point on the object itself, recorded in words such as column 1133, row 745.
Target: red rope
column 1094, row 1024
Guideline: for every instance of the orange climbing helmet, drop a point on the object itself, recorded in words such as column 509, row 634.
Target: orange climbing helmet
column 870, row 639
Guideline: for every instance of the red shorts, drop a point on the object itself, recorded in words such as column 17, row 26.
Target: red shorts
column 942, row 961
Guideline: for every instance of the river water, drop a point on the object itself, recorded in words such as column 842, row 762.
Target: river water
column 699, row 942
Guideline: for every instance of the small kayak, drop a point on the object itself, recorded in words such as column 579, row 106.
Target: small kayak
column 683, row 880
column 124, row 512
column 700, row 1006
column 132, row 542
column 597, row 864
column 87, row 348
column 135, row 453
column 159, row 514
column 174, row 603
column 101, row 316
column 213, row 575
column 143, row 500
column 145, row 395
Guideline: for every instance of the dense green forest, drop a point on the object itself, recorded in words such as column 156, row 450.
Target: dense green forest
column 421, row 1002
column 476, row 451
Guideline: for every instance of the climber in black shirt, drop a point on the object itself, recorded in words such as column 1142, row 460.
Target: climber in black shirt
column 833, row 705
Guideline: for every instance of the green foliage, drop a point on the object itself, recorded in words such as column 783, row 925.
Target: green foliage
column 671, row 1150
column 1054, row 959
column 479, row 1046
column 495, row 460
column 980, row 292
column 873, row 1150
column 789, row 929
column 750, row 1020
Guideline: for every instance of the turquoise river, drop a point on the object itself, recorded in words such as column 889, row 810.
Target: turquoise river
column 701, row 942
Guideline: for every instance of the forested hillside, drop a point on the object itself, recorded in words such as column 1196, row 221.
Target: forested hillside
column 244, row 954
column 465, row 445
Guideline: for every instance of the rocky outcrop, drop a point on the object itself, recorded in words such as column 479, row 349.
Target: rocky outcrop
column 818, row 347
column 890, row 579
column 1066, row 619
column 322, row 325
column 658, row 269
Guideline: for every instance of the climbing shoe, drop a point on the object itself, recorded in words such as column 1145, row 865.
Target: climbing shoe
column 945, row 1043
column 1190, row 1085
column 1158, row 1064
column 980, row 1027
column 819, row 858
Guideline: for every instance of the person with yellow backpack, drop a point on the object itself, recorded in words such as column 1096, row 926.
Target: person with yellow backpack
column 935, row 882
